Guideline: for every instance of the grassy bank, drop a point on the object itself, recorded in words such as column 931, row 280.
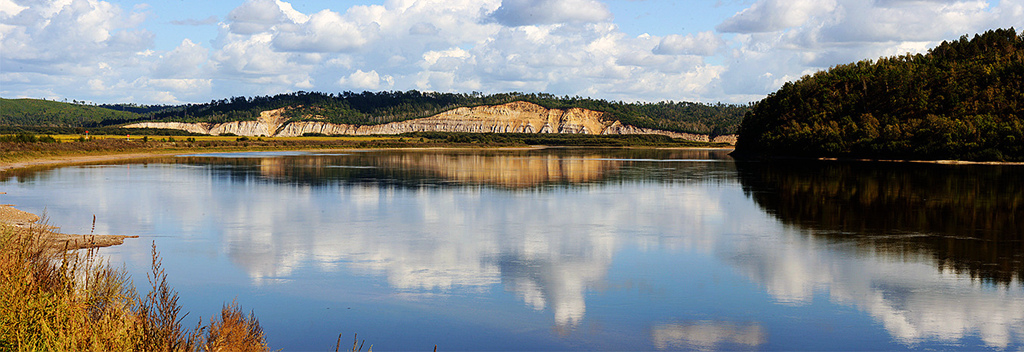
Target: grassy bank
column 55, row 300
column 64, row 146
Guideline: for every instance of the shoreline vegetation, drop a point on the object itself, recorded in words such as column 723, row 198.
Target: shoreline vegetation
column 61, row 298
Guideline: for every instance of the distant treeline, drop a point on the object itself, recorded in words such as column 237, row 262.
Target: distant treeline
column 962, row 100
column 370, row 108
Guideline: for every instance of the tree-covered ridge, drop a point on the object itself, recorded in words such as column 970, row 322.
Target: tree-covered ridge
column 962, row 100
column 372, row 108
column 33, row 112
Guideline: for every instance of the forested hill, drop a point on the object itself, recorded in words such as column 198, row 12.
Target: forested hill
column 372, row 108
column 35, row 112
column 962, row 100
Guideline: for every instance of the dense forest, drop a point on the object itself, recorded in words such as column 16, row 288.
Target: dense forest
column 962, row 100
column 370, row 108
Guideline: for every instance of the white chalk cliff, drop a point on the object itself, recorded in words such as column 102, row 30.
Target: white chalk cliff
column 514, row 117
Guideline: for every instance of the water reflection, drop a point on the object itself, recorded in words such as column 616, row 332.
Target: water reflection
column 511, row 169
column 968, row 218
column 929, row 253
column 708, row 336
column 452, row 224
column 930, row 242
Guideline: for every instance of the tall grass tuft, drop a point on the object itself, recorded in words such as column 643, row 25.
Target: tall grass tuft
column 234, row 331
column 56, row 300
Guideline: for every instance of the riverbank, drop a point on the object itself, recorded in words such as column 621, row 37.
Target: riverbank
column 23, row 221
column 15, row 156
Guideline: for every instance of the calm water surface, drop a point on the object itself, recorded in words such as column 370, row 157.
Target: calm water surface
column 567, row 249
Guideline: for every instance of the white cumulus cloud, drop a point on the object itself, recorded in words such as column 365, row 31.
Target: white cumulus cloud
column 184, row 61
column 773, row 15
column 325, row 31
column 65, row 48
column 366, row 80
column 534, row 12
column 703, row 44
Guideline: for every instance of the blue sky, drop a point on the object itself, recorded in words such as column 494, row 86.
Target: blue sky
column 179, row 51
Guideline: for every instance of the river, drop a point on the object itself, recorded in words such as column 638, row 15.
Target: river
column 566, row 249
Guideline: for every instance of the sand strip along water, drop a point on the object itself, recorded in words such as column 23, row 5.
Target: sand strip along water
column 25, row 222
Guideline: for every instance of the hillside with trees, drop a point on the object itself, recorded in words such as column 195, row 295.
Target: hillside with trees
column 35, row 112
column 373, row 108
column 962, row 100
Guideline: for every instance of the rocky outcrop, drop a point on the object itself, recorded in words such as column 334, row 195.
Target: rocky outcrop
column 203, row 128
column 618, row 128
column 267, row 124
column 514, row 117
column 728, row 138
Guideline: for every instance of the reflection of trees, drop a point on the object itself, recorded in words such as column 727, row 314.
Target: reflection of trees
column 967, row 217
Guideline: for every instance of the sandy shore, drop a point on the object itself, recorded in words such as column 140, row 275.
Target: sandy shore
column 82, row 159
column 24, row 221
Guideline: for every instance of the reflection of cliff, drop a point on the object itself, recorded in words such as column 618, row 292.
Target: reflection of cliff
column 967, row 217
column 506, row 168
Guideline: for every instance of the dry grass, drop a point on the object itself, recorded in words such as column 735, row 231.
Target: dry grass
column 73, row 301
column 234, row 332
column 11, row 152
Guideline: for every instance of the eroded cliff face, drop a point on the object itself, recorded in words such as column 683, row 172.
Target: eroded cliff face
column 514, row 117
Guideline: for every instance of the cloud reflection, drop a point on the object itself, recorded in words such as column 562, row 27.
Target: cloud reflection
column 549, row 248
column 708, row 335
column 549, row 252
column 913, row 301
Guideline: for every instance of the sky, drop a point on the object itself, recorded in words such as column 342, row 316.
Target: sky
column 192, row 51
